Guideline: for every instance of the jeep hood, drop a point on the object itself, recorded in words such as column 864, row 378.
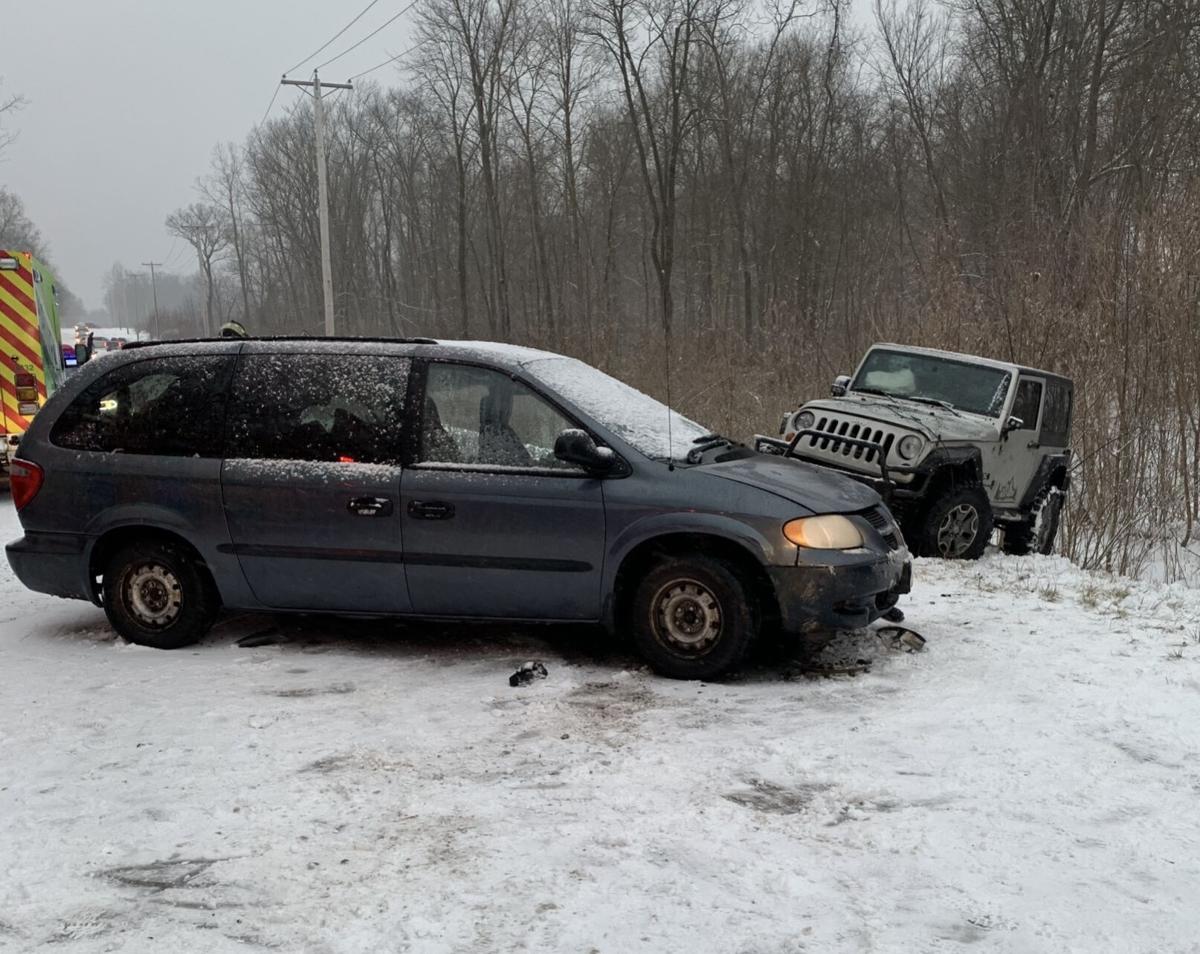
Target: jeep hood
column 935, row 423
column 814, row 488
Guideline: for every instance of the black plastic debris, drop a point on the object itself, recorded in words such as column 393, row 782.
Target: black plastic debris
column 894, row 615
column 527, row 673
column 901, row 637
column 264, row 637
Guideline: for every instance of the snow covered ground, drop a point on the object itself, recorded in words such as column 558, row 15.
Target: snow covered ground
column 1031, row 782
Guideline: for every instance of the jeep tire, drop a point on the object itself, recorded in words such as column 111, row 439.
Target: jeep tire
column 957, row 524
column 156, row 594
column 1037, row 533
column 693, row 617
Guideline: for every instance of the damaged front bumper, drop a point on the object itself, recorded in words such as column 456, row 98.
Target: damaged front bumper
column 844, row 591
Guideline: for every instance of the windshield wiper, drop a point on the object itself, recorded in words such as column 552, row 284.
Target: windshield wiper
column 946, row 405
column 706, row 442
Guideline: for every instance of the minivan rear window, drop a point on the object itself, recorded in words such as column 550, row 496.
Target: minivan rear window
column 344, row 408
column 173, row 407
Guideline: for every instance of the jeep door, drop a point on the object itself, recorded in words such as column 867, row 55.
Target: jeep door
column 311, row 479
column 1016, row 455
column 494, row 524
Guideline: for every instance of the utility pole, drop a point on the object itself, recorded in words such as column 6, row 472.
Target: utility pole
column 322, row 185
column 154, row 289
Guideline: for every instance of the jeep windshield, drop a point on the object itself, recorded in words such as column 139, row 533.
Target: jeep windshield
column 928, row 379
column 635, row 417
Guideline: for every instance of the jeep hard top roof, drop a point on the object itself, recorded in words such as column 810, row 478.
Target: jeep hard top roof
column 968, row 359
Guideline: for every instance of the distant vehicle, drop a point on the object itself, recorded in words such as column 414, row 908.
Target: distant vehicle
column 31, row 360
column 460, row 480
column 964, row 443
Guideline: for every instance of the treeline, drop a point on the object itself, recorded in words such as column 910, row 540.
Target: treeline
column 742, row 196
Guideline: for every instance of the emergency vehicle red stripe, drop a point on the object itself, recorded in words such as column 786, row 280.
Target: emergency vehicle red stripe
column 17, row 290
column 8, row 336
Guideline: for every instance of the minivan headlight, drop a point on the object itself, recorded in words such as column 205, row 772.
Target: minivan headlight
column 805, row 420
column 909, row 447
column 830, row 531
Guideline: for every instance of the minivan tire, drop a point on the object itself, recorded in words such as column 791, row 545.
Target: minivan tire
column 156, row 594
column 960, row 510
column 693, row 617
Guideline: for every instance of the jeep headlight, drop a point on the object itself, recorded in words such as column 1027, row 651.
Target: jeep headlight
column 909, row 447
column 805, row 420
column 830, row 531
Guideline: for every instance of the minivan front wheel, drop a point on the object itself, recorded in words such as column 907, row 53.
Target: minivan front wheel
column 693, row 617
column 155, row 594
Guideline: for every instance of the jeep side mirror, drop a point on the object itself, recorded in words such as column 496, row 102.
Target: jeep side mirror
column 841, row 384
column 575, row 446
column 1014, row 423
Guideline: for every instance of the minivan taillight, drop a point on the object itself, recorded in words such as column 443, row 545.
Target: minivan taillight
column 25, row 478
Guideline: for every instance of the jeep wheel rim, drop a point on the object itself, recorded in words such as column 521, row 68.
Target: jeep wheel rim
column 687, row 617
column 153, row 595
column 958, row 530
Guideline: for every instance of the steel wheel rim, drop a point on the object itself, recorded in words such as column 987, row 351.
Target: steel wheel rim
column 958, row 530
column 686, row 616
column 153, row 594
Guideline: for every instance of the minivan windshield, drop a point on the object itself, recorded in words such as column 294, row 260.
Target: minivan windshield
column 977, row 388
column 636, row 418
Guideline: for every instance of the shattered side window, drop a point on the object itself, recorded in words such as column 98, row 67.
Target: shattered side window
column 173, row 407
column 318, row 407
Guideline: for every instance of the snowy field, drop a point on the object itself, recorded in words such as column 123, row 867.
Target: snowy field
column 1029, row 783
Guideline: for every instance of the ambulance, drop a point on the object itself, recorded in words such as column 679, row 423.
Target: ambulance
column 31, row 357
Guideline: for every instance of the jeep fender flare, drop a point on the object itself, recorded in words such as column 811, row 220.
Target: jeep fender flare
column 1054, row 470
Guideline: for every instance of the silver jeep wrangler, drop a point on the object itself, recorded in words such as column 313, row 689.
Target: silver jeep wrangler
column 958, row 444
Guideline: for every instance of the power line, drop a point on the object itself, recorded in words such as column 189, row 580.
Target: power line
column 390, row 59
column 332, row 38
column 369, row 35
column 269, row 105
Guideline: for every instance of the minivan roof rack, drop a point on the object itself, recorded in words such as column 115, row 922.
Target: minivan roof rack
column 352, row 338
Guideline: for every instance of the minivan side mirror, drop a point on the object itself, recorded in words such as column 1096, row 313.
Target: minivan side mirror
column 841, row 384
column 576, row 446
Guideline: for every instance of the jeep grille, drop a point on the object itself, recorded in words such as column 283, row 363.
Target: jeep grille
column 835, row 452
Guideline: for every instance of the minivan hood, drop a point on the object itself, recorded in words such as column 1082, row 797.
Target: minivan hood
column 935, row 423
column 814, row 488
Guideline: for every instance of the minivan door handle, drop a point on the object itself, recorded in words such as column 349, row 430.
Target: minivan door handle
column 370, row 506
column 430, row 509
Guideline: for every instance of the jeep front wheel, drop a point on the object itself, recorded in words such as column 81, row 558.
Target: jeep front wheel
column 693, row 617
column 957, row 525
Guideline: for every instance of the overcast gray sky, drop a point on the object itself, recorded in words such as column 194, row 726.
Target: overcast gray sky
column 128, row 97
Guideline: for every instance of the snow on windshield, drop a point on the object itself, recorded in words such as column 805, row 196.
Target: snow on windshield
column 633, row 416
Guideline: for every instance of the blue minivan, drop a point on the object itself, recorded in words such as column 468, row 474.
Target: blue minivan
column 450, row 480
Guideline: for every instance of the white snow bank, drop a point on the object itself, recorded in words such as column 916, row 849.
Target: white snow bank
column 1027, row 784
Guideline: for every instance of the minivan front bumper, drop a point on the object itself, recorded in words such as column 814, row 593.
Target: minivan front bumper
column 815, row 598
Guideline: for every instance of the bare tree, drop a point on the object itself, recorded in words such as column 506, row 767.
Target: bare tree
column 203, row 228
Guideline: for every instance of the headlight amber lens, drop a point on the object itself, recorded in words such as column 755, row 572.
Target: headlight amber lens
column 828, row 532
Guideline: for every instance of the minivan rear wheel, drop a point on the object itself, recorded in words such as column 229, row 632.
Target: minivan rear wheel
column 156, row 594
column 693, row 617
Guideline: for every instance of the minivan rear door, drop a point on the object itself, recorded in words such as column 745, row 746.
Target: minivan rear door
column 311, row 479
